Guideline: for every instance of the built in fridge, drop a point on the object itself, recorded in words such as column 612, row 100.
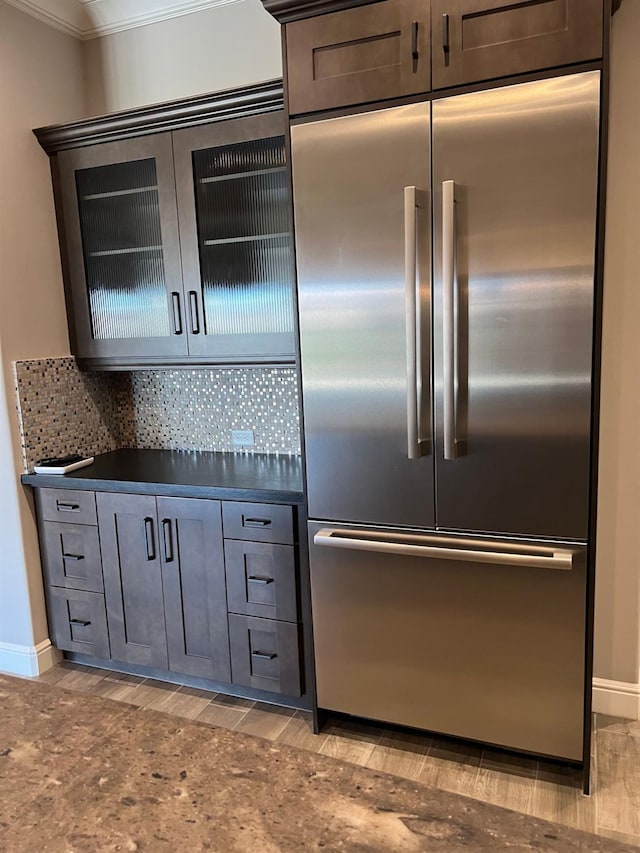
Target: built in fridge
column 446, row 263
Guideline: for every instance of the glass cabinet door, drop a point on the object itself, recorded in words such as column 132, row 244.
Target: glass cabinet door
column 120, row 214
column 234, row 213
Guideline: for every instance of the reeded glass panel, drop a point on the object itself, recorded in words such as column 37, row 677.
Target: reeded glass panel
column 244, row 239
column 122, row 242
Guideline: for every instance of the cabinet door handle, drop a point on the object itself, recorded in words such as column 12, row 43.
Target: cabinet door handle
column 167, row 538
column 259, row 579
column 149, row 539
column 195, row 314
column 83, row 622
column 264, row 655
column 177, row 313
column 61, row 506
column 445, row 33
column 414, row 41
column 256, row 522
column 73, row 556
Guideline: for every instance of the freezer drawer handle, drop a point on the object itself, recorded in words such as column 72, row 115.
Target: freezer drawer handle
column 425, row 546
column 73, row 557
column 417, row 446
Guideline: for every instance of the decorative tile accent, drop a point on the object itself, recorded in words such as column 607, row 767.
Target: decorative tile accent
column 64, row 410
column 197, row 409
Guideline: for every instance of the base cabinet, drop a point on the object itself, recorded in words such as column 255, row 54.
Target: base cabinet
column 78, row 621
column 195, row 604
column 265, row 654
column 132, row 578
column 178, row 596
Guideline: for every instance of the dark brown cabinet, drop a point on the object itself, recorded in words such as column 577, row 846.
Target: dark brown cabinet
column 262, row 596
column 235, row 234
column 78, row 621
column 178, row 259
column 395, row 48
column 121, row 227
column 193, row 584
column 70, row 551
column 150, row 581
column 360, row 55
column 131, row 567
column 475, row 40
column 265, row 654
column 71, row 556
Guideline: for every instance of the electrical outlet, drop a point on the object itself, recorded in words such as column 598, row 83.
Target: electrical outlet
column 242, row 437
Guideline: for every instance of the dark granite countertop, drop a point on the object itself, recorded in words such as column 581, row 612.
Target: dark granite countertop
column 182, row 473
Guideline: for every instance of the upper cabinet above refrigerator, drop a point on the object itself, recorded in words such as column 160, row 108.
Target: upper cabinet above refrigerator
column 366, row 53
column 475, row 40
column 356, row 56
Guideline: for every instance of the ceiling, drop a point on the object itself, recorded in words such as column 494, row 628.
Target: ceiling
column 86, row 19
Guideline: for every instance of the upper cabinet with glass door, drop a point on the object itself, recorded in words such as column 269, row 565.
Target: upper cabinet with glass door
column 235, row 234
column 177, row 245
column 121, row 227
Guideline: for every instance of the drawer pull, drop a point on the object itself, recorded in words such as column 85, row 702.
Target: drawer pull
column 259, row 579
column 167, row 537
column 195, row 314
column 61, row 506
column 83, row 622
column 264, row 655
column 256, row 522
column 414, row 41
column 75, row 557
column 149, row 539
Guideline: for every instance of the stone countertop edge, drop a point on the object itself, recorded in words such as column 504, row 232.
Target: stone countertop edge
column 260, row 477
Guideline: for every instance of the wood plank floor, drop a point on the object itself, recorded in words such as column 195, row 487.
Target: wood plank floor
column 538, row 788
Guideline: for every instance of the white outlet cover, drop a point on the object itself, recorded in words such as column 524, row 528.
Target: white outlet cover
column 242, row 437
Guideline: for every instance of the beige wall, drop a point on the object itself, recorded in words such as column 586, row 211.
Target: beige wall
column 42, row 82
column 219, row 48
column 617, row 640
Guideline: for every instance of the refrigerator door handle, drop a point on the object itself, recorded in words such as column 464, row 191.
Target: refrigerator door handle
column 449, row 341
column 417, row 446
column 536, row 557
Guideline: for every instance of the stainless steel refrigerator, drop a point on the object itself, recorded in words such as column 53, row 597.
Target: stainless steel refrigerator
column 446, row 257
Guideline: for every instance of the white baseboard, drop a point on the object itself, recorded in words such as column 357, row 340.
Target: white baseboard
column 616, row 698
column 27, row 660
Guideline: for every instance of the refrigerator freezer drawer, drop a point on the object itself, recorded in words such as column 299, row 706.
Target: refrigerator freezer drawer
column 490, row 651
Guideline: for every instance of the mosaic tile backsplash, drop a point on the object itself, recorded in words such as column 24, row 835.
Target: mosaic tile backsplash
column 64, row 410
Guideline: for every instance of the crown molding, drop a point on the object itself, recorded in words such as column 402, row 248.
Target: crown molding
column 114, row 16
column 69, row 16
column 285, row 11
column 255, row 99
column 89, row 19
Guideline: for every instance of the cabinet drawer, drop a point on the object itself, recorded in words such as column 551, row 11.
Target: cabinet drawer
column 258, row 522
column 476, row 40
column 261, row 579
column 71, row 556
column 265, row 654
column 359, row 55
column 69, row 505
column 77, row 621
